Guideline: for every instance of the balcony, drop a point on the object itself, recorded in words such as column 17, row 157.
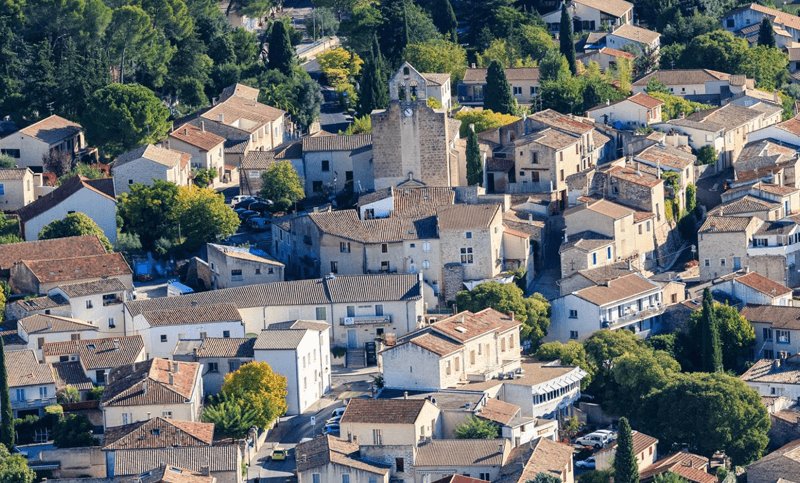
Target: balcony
column 632, row 317
column 32, row 403
column 111, row 300
column 366, row 320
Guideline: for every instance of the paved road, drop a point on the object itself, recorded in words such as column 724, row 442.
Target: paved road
column 332, row 119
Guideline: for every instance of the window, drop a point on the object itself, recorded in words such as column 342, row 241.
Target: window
column 484, row 476
column 466, row 255
column 344, row 247
column 729, row 23
column 379, row 309
column 163, row 337
column 706, row 262
column 783, row 336
column 42, row 392
column 226, row 333
column 100, row 376
column 346, row 478
column 721, row 262
column 166, row 414
column 399, row 465
column 517, row 90
column 426, row 264
column 384, row 248
column 234, row 365
column 213, row 367
column 315, row 478
column 608, row 253
column 768, row 354
column 351, row 310
column 258, row 271
column 88, row 304
column 594, row 258
column 573, row 334
column 384, row 266
column 468, row 235
column 334, row 267
column 640, row 229
column 236, row 274
column 534, row 157
column 14, row 153
column 130, row 181
column 447, row 368
column 322, row 313
column 767, row 333
column 573, row 314
column 326, row 165
column 126, row 418
column 377, row 437
column 426, row 246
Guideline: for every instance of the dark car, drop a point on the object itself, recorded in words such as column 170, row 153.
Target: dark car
column 247, row 214
column 260, row 206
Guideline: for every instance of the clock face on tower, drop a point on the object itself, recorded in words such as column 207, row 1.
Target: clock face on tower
column 408, row 112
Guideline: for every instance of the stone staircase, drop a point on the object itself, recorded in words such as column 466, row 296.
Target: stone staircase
column 356, row 358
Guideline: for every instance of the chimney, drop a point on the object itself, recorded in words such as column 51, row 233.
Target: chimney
column 144, row 387
column 221, row 118
column 530, row 218
column 630, row 264
column 171, row 379
column 186, row 131
column 776, row 364
column 203, row 126
column 116, row 344
column 175, row 366
column 405, row 394
column 194, row 352
column 512, row 315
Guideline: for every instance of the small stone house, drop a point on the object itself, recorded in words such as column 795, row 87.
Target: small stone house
column 238, row 266
column 148, row 163
column 644, row 449
column 207, row 150
column 31, row 145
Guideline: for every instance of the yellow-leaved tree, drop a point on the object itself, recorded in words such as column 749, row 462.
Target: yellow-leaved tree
column 259, row 387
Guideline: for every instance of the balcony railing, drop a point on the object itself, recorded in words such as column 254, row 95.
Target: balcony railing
column 632, row 317
column 366, row 320
column 33, row 403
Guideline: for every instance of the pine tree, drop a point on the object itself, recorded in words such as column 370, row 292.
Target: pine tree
column 281, row 52
column 497, row 95
column 372, row 87
column 766, row 36
column 394, row 31
column 567, row 39
column 474, row 164
column 710, row 344
column 6, row 413
column 41, row 81
column 444, row 17
column 626, row 469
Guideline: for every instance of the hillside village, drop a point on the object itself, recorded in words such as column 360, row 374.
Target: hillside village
column 385, row 241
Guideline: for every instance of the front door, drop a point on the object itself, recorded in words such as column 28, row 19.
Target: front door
column 352, row 339
column 490, row 182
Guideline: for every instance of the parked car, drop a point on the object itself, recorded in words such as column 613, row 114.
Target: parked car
column 238, row 199
column 612, row 435
column 260, row 206
column 279, row 454
column 595, row 440
column 338, row 412
column 588, row 463
column 246, row 214
column 258, row 223
column 332, row 429
column 333, row 420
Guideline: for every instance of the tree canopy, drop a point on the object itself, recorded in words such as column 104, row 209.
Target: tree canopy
column 232, row 416
column 258, row 388
column 626, row 464
column 474, row 161
column 74, row 224
column 497, row 93
column 483, row 120
column 477, row 428
column 203, row 216
column 149, row 211
column 281, row 182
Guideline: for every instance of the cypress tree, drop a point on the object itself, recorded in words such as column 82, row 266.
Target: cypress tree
column 395, row 31
column 766, row 36
column 444, row 17
column 567, row 39
column 372, row 87
column 281, row 52
column 474, row 164
column 626, row 470
column 6, row 413
column 497, row 95
column 710, row 344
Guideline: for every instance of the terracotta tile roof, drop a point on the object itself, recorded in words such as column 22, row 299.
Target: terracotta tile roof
column 158, row 433
column 166, row 157
column 777, row 316
column 683, row 459
column 279, row 339
column 603, row 207
column 244, row 253
column 617, row 53
column 134, row 462
column 78, row 268
column 105, row 353
column 466, row 325
column 257, row 160
column 239, row 90
column 243, row 114
column 683, row 77
column 744, row 205
column 337, row 143
column 434, row 343
column 530, row 74
column 548, row 457
column 636, row 34
column 560, row 121
column 24, row 369
column 340, row 289
column 8, row 174
column 41, row 303
column 769, row 372
column 103, row 286
column 199, row 314
column 726, row 224
column 791, row 126
column 211, row 347
column 383, row 411
column 776, row 16
column 465, row 217
column 602, row 275
column 625, row 287
column 775, row 189
column 645, row 101
column 461, row 452
column 49, row 324
column 728, row 117
column 325, row 449
column 783, row 462
column 667, row 156
column 71, row 374
column 499, row 411
column 641, row 442
column 633, row 176
column 617, row 8
column 422, row 201
column 198, row 137
column 458, row 479
column 55, row 197
column 151, row 382
column 52, row 129
column 435, row 78
column 173, row 474
column 555, row 139
column 346, row 224
column 762, row 284
column 316, row 325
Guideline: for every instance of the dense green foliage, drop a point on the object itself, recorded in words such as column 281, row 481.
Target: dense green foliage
column 567, row 39
column 474, row 161
column 477, row 428
column 14, row 468
column 6, row 412
column 281, row 182
column 74, row 224
column 73, row 431
column 497, row 93
column 232, row 417
column 626, row 465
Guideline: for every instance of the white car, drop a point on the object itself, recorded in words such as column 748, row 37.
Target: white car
column 236, row 199
column 338, row 412
column 588, row 463
column 595, row 440
column 612, row 435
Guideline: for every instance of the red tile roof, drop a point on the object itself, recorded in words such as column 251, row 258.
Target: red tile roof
column 78, row 268
column 197, row 136
column 73, row 246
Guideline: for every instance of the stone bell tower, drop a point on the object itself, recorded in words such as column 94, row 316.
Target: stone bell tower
column 411, row 141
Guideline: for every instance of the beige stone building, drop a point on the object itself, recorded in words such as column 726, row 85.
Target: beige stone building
column 412, row 141
column 767, row 161
column 148, row 163
column 52, row 135
column 207, row 150
column 390, row 422
column 238, row 266
column 524, row 82
column 16, row 188
column 722, row 244
column 644, row 449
